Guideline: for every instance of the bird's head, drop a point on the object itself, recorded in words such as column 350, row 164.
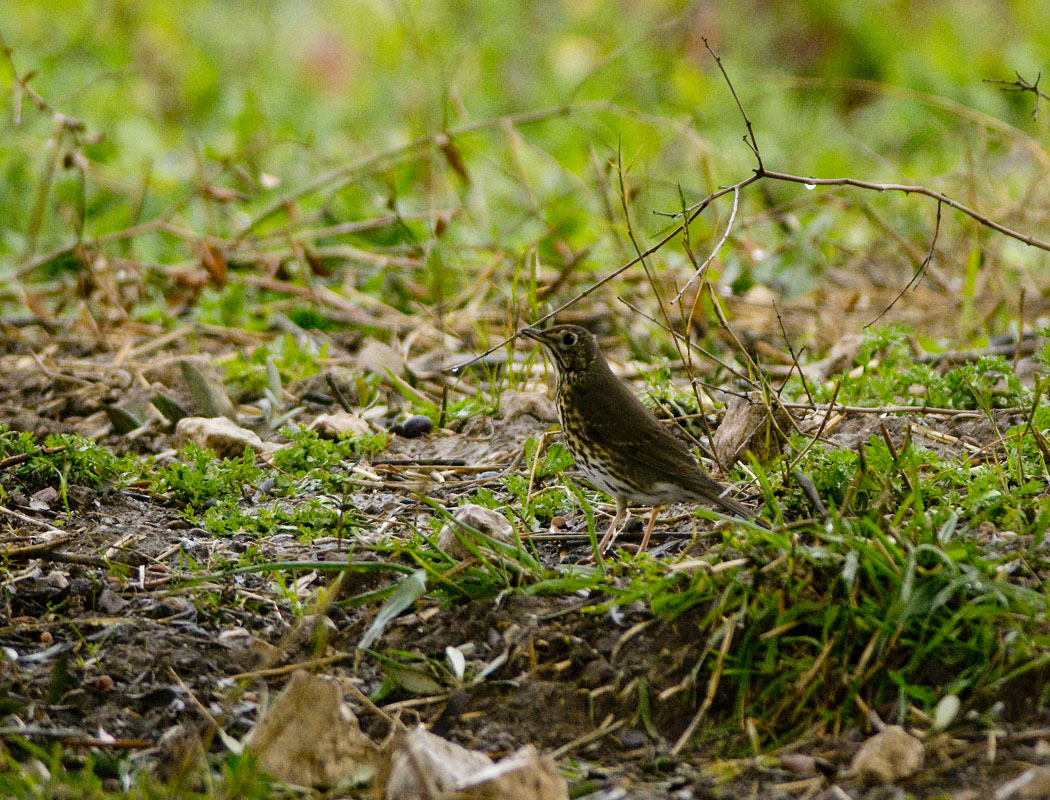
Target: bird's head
column 573, row 349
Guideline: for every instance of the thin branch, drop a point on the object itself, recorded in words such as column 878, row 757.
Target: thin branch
column 693, row 213
column 689, row 344
column 794, row 356
column 625, row 204
column 1021, row 85
column 749, row 139
column 714, row 252
column 23, row 88
column 918, row 272
column 912, row 189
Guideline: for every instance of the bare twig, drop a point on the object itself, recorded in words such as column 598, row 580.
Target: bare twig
column 918, row 272
column 912, row 189
column 648, row 273
column 714, row 251
column 691, row 345
column 922, row 410
column 794, row 356
column 749, row 139
column 1021, row 85
column 24, row 89
column 693, row 213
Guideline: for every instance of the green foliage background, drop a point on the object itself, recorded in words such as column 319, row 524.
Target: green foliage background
column 190, row 92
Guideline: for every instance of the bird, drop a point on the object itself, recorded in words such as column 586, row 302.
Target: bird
column 616, row 441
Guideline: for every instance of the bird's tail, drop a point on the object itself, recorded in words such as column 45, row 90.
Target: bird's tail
column 714, row 492
column 735, row 507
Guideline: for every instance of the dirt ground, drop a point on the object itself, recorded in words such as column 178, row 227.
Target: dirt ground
column 117, row 635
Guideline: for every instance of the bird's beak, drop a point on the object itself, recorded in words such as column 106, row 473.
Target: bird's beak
column 533, row 333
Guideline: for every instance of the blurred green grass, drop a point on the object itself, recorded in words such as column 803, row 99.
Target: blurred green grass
column 195, row 94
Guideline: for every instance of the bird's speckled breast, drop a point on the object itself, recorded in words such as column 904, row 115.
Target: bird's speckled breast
column 600, row 478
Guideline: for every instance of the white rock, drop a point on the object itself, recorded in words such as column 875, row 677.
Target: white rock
column 888, row 757
column 223, row 437
column 332, row 426
column 513, row 404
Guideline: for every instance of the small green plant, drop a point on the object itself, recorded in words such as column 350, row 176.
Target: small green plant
column 990, row 382
column 310, row 452
column 62, row 459
column 531, row 501
column 201, row 478
column 316, row 516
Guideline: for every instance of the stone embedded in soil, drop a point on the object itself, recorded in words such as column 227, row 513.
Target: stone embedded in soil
column 513, row 404
column 223, row 437
column 44, row 499
column 339, row 423
column 480, row 518
column 412, row 428
column 887, row 757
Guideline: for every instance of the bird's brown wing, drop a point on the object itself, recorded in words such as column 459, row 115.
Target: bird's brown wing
column 625, row 424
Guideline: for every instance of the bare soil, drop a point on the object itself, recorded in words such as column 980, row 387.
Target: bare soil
column 117, row 635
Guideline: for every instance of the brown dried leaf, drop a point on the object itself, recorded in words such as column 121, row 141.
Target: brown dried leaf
column 748, row 425
column 453, row 156
column 311, row 738
column 221, row 193
column 214, row 262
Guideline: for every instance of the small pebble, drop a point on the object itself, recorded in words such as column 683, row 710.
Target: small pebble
column 103, row 683
column 633, row 739
column 413, row 427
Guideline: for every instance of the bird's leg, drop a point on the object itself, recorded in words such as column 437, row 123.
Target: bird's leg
column 610, row 535
column 648, row 530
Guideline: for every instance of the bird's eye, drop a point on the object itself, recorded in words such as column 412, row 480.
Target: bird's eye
column 568, row 340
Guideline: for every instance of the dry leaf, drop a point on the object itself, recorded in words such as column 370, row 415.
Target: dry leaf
column 311, row 738
column 748, row 425
column 206, row 386
column 426, row 767
column 214, row 261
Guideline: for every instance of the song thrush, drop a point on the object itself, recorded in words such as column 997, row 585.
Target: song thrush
column 617, row 443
